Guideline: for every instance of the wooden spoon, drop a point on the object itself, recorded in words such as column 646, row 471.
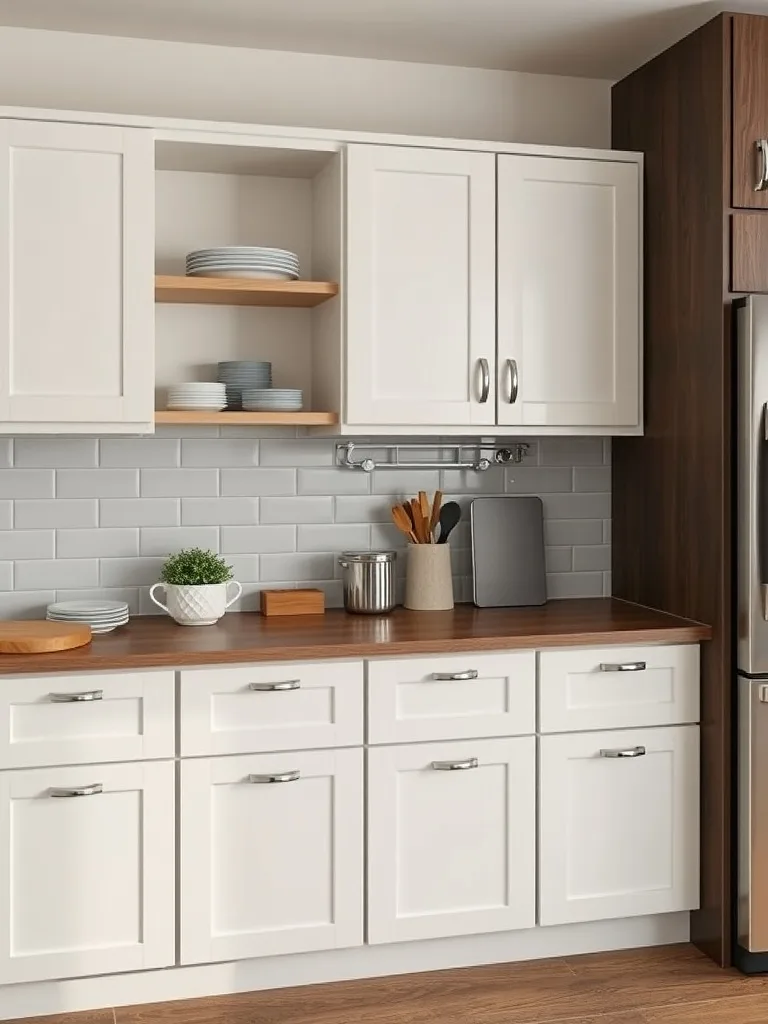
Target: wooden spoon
column 433, row 519
column 403, row 522
column 419, row 526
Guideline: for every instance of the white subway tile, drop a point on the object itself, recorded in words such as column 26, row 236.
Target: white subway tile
column 27, row 544
column 97, row 483
column 387, row 537
column 219, row 452
column 138, row 512
column 129, row 572
column 102, row 543
column 577, row 506
column 335, row 538
column 179, row 483
column 128, row 594
column 257, row 539
column 468, row 481
column 6, row 515
column 363, row 509
column 6, row 576
column 287, row 568
column 558, row 559
column 607, row 531
column 538, row 479
column 572, row 531
column 402, row 482
column 333, row 590
column 56, row 573
column 257, row 482
column 165, row 430
column 6, row 452
column 586, row 559
column 302, row 451
column 574, row 584
column 139, row 452
column 571, row 451
column 258, row 432
column 41, row 515
column 296, row 510
column 251, row 599
column 333, row 481
column 56, row 452
column 26, row 483
column 246, row 568
column 592, row 478
column 22, row 604
column 219, row 511
column 167, row 540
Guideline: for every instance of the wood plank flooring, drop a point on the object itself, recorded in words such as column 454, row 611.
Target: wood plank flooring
column 664, row 985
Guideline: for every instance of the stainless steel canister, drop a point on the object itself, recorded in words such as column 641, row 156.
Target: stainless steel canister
column 369, row 581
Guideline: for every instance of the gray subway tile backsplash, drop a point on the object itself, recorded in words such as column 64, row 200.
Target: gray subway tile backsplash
column 95, row 517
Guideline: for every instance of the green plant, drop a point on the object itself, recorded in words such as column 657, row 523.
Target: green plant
column 195, row 568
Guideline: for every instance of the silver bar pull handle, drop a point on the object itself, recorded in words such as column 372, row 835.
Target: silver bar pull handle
column 761, row 148
column 92, row 790
column 286, row 684
column 514, row 381
column 624, row 666
column 455, row 677
column 485, row 380
column 72, row 698
column 292, row 776
column 456, row 766
column 624, row 752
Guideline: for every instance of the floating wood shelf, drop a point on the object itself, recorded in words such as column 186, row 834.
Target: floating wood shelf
column 237, row 291
column 284, row 419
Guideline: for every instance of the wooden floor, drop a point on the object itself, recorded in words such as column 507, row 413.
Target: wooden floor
column 667, row 985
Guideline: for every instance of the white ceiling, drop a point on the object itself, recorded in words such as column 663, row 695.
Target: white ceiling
column 589, row 38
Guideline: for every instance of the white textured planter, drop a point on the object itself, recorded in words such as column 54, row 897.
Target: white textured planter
column 196, row 606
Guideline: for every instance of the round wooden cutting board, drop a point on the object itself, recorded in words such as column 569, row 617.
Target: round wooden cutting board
column 42, row 637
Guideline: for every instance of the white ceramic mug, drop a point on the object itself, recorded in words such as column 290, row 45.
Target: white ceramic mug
column 196, row 605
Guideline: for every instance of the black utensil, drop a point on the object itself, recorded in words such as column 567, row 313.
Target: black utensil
column 450, row 514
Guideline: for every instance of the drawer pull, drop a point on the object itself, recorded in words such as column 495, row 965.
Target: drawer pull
column 624, row 666
column 72, row 698
column 455, row 677
column 456, row 766
column 287, row 684
column 92, row 790
column 292, row 776
column 624, row 752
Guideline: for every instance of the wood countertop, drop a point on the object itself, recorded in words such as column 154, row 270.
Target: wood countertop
column 156, row 641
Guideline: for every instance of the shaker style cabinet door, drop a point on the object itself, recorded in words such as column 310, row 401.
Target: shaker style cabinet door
column 421, row 317
column 87, row 862
column 569, row 339
column 76, row 276
column 750, row 111
column 271, row 854
column 451, row 838
column 618, row 824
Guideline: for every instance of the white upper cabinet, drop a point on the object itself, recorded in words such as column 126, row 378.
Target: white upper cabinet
column 76, row 277
column 421, row 251
column 569, row 293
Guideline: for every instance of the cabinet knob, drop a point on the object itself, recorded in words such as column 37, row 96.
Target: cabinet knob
column 761, row 149
column 72, row 698
column 456, row 766
column 292, row 776
column 624, row 666
column 286, row 684
column 93, row 790
column 451, row 677
column 624, row 752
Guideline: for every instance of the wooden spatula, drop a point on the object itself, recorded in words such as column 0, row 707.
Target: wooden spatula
column 419, row 526
column 403, row 522
column 435, row 517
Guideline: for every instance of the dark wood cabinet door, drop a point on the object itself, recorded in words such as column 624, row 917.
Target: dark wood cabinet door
column 750, row 110
column 749, row 252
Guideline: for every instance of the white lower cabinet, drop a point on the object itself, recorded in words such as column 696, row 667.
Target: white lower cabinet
column 451, row 838
column 618, row 824
column 87, row 862
column 271, row 854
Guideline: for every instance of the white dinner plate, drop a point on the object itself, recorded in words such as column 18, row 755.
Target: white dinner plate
column 265, row 275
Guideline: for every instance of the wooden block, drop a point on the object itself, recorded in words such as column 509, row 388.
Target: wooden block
column 292, row 602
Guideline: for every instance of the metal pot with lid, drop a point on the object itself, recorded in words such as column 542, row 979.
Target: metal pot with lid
column 369, row 581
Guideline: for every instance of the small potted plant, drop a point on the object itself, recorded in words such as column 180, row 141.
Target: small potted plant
column 195, row 584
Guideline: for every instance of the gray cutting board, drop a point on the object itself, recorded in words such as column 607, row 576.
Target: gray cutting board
column 508, row 552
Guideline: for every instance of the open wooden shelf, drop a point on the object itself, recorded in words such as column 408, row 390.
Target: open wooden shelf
column 284, row 419
column 236, row 291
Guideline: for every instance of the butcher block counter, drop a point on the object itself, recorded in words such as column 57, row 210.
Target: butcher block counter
column 157, row 641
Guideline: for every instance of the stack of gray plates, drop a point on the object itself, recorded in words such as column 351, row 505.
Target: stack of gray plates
column 273, row 400
column 256, row 261
column 240, row 374
column 197, row 395
column 101, row 616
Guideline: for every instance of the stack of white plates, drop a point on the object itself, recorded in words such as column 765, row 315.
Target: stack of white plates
column 255, row 261
column 210, row 397
column 240, row 374
column 101, row 616
column 273, row 400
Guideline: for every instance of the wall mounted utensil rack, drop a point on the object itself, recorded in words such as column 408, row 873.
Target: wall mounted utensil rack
column 475, row 456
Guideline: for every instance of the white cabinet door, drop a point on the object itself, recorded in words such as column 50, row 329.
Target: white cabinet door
column 271, row 854
column 76, row 275
column 421, row 316
column 569, row 293
column 86, row 881
column 619, row 836
column 451, row 851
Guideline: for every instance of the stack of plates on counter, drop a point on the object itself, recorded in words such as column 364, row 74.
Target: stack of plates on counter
column 210, row 397
column 101, row 616
column 273, row 400
column 240, row 374
column 254, row 261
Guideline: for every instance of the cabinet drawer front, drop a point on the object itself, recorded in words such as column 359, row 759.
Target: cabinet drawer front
column 86, row 717
column 279, row 706
column 271, row 854
column 451, row 838
column 461, row 695
column 619, row 835
column 618, row 687
column 86, row 882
